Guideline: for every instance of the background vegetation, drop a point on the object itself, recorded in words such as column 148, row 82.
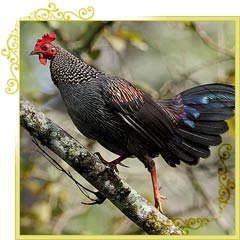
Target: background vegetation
column 163, row 58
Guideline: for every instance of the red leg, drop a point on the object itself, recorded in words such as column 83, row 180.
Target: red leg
column 157, row 196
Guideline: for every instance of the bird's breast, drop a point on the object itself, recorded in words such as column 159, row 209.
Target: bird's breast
column 89, row 112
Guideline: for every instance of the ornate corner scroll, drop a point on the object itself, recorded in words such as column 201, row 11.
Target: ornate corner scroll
column 52, row 12
column 226, row 185
column 11, row 52
column 192, row 223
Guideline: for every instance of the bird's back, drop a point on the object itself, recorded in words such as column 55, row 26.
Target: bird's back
column 124, row 119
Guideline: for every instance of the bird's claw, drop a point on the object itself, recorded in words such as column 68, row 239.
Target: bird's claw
column 123, row 165
column 158, row 203
column 99, row 156
column 112, row 164
column 99, row 200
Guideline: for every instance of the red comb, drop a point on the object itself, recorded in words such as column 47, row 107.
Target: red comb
column 46, row 38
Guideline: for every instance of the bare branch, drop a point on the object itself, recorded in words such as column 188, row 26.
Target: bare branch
column 93, row 170
column 66, row 216
column 210, row 42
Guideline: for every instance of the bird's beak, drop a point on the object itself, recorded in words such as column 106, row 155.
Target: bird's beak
column 33, row 53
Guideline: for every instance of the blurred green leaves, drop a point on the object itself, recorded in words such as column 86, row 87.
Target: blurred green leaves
column 134, row 38
column 120, row 38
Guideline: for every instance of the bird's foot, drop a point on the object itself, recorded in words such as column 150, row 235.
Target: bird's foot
column 113, row 164
column 101, row 158
column 158, row 203
column 157, row 196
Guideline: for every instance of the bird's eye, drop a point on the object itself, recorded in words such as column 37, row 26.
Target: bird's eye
column 44, row 47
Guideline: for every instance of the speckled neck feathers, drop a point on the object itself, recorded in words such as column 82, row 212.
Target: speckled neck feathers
column 66, row 68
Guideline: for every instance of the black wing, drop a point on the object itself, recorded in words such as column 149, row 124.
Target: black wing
column 138, row 110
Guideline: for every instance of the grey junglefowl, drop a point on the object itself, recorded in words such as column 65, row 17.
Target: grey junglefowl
column 128, row 122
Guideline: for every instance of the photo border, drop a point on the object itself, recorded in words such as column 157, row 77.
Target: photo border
column 52, row 12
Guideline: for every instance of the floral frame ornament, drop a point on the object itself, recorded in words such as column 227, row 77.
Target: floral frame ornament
column 11, row 52
column 52, row 12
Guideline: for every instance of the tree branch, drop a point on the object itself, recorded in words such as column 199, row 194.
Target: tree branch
column 93, row 170
column 209, row 41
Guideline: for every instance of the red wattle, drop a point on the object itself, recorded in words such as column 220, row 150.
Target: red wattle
column 42, row 59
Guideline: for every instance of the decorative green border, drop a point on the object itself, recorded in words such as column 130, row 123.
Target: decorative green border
column 11, row 52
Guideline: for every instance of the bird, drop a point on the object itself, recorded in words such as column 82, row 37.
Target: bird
column 129, row 122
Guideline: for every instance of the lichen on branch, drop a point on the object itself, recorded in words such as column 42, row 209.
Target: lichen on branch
column 102, row 177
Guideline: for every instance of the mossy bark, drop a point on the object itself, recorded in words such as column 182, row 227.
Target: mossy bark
column 95, row 171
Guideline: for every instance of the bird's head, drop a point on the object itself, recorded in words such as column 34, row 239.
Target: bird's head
column 44, row 48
